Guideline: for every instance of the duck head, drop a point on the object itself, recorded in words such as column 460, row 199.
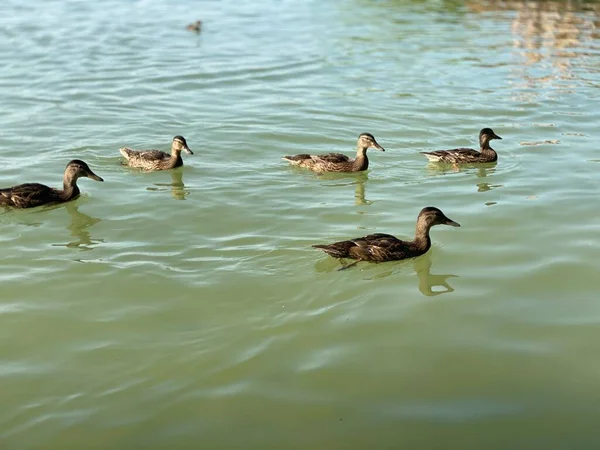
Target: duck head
column 367, row 140
column 486, row 135
column 78, row 169
column 431, row 216
column 180, row 144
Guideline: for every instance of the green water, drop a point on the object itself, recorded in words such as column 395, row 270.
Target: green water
column 186, row 309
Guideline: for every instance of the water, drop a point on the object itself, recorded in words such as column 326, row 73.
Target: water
column 186, row 309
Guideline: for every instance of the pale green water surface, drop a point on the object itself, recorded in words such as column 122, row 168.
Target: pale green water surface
column 186, row 309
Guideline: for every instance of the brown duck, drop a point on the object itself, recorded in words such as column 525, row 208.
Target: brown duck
column 30, row 195
column 195, row 27
column 381, row 247
column 468, row 155
column 155, row 159
column 337, row 162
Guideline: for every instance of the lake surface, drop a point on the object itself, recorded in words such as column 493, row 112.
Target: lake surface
column 187, row 309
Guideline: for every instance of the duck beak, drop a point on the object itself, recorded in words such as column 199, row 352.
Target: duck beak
column 378, row 147
column 187, row 150
column 451, row 223
column 495, row 136
column 93, row 176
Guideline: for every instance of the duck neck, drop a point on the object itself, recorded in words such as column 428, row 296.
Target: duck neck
column 70, row 189
column 361, row 162
column 422, row 241
column 176, row 159
column 488, row 152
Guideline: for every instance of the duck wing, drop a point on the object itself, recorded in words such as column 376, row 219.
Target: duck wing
column 333, row 158
column 379, row 239
column 453, row 156
column 378, row 247
column 374, row 247
column 28, row 195
column 146, row 155
column 330, row 162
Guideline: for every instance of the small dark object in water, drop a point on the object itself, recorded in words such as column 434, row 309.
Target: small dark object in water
column 195, row 27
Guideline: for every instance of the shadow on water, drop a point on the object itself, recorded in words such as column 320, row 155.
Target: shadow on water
column 80, row 223
column 177, row 187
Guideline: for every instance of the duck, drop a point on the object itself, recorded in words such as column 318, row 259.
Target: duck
column 382, row 247
column 195, row 27
column 486, row 153
column 151, row 160
column 337, row 162
column 30, row 195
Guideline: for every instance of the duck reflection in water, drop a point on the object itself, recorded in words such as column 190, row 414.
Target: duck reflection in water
column 78, row 227
column 427, row 280
column 429, row 284
column 483, row 172
column 177, row 187
column 480, row 171
column 359, row 192
column 358, row 180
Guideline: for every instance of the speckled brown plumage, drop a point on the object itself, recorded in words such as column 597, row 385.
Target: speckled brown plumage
column 337, row 162
column 468, row 155
column 30, row 195
column 381, row 247
column 151, row 160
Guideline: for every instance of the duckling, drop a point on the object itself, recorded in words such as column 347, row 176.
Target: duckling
column 468, row 155
column 155, row 159
column 30, row 195
column 195, row 27
column 336, row 162
column 381, row 247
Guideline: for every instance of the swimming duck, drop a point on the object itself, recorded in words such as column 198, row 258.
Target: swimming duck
column 381, row 247
column 30, row 195
column 155, row 159
column 195, row 27
column 336, row 162
column 468, row 155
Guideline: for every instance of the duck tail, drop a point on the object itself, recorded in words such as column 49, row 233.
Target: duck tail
column 296, row 158
column 431, row 156
column 331, row 250
column 126, row 152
